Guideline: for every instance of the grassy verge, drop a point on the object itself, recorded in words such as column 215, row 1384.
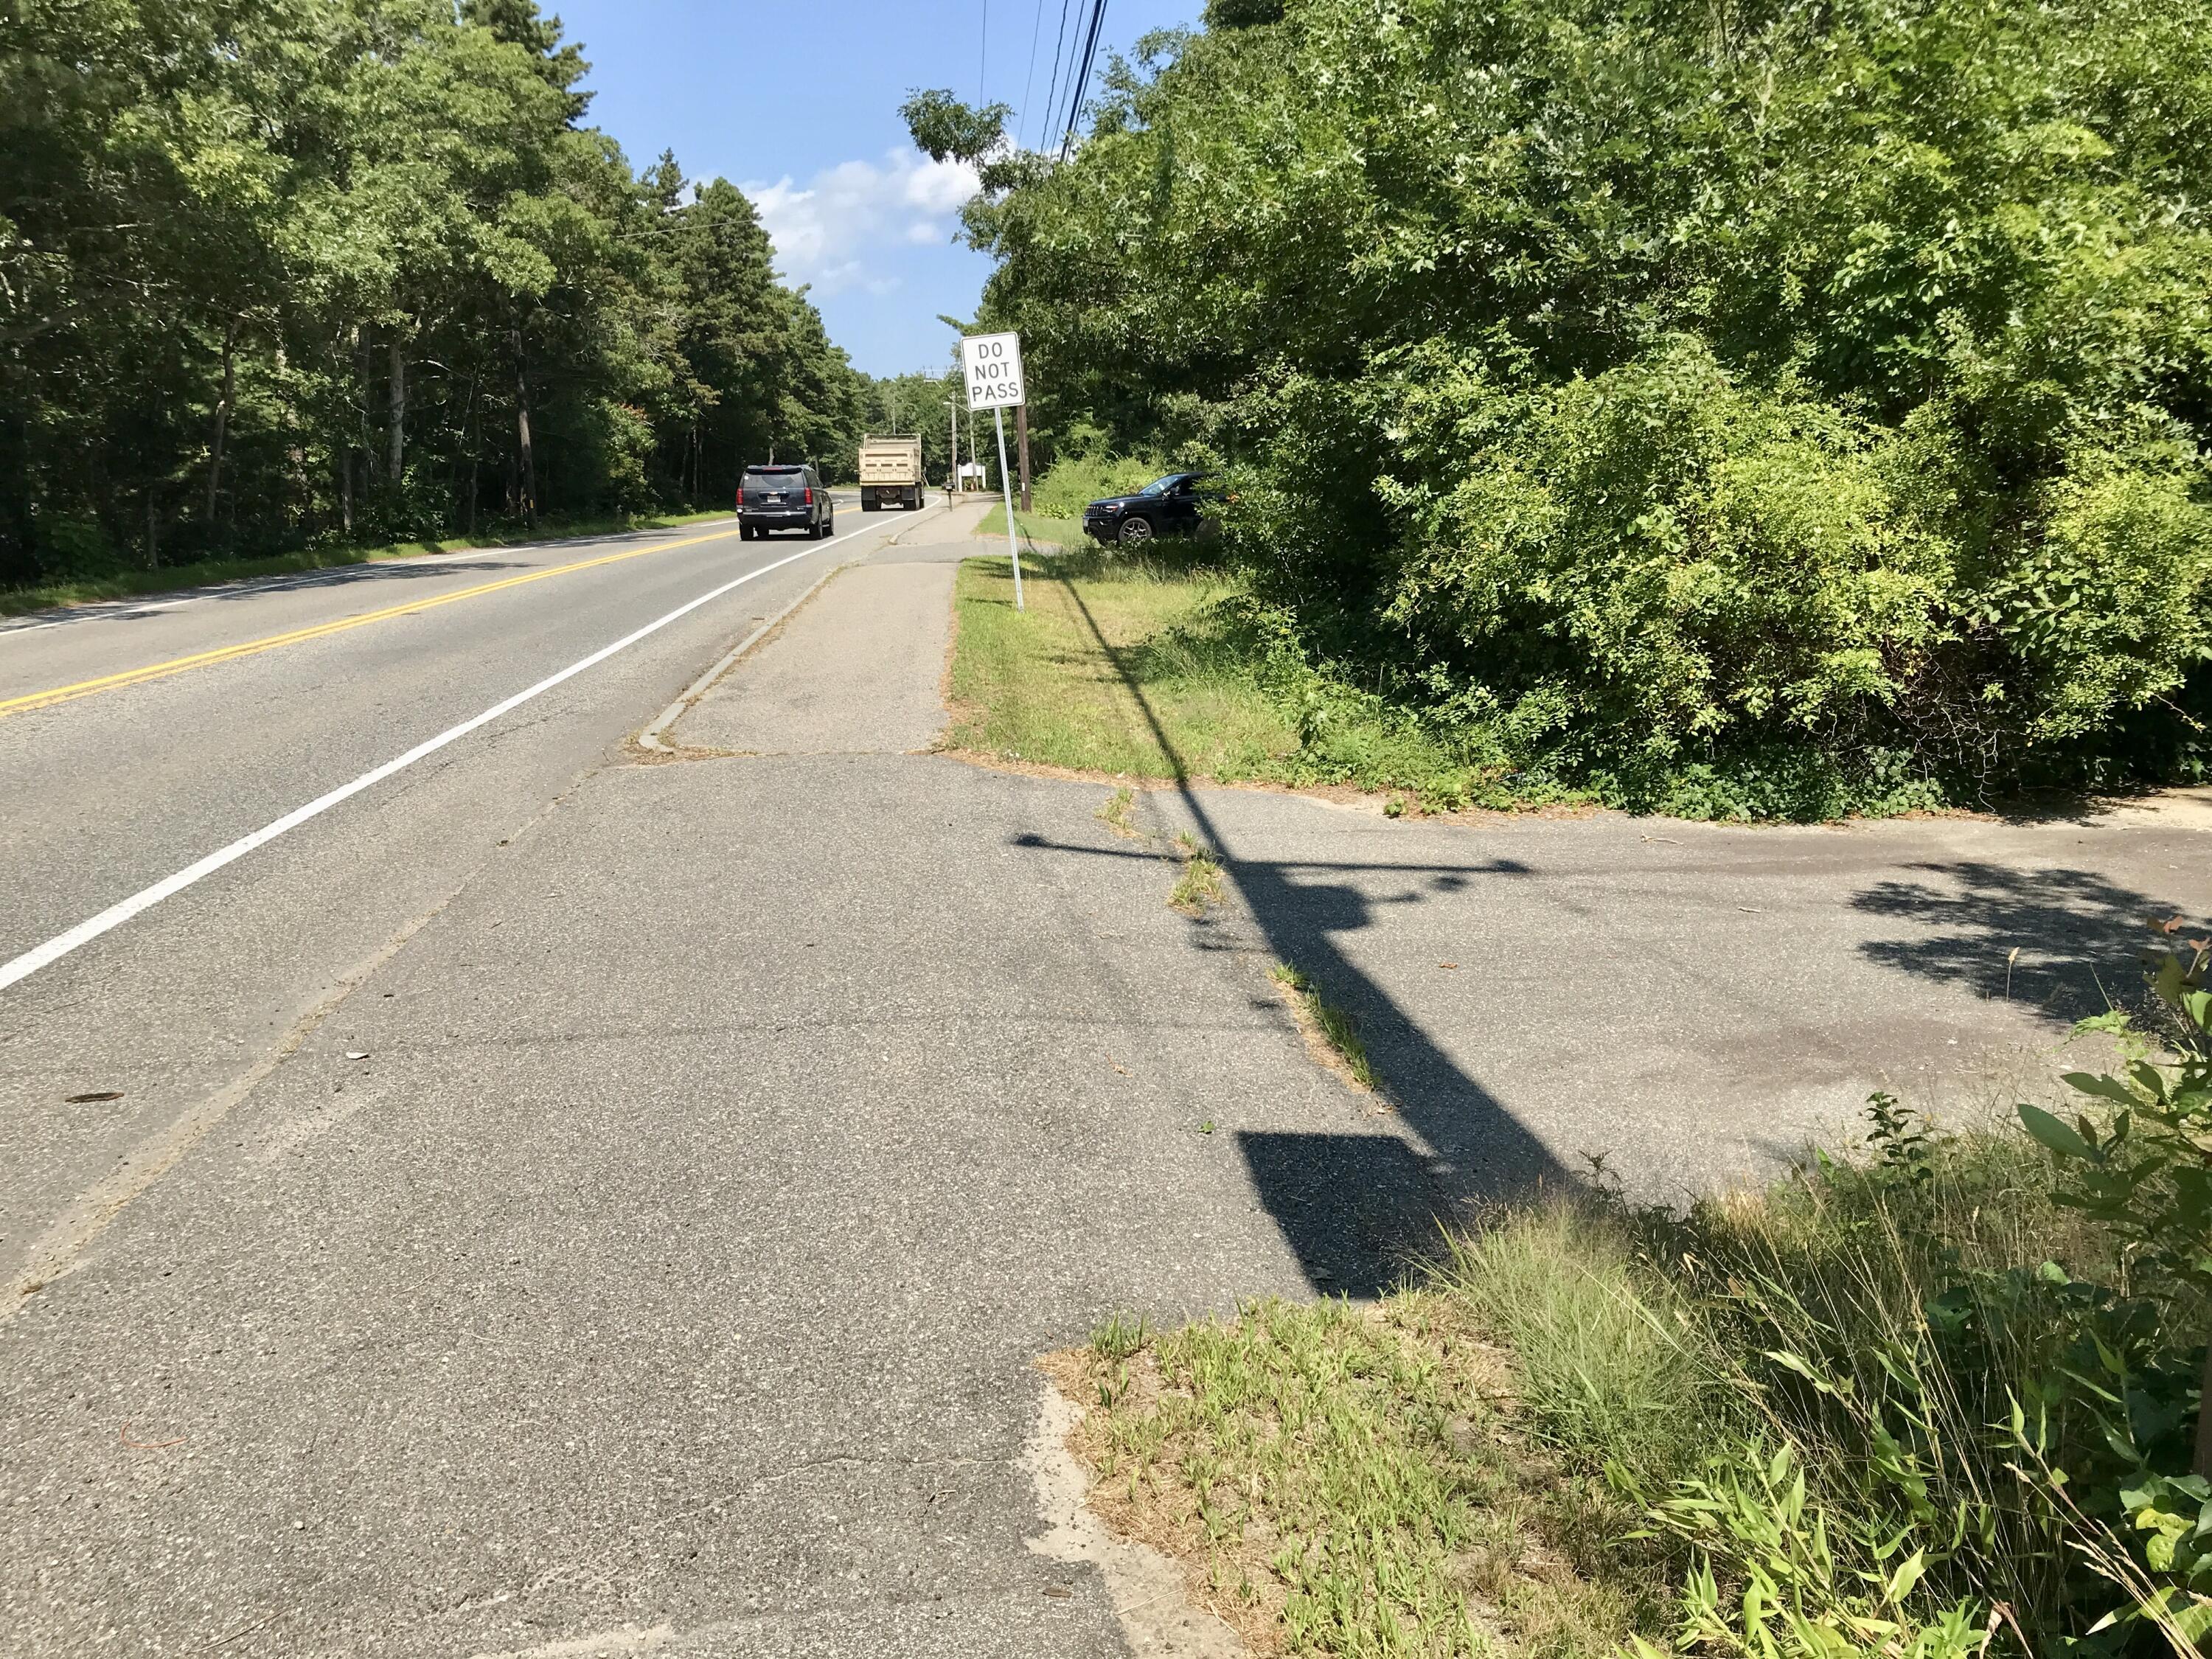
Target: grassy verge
column 1154, row 667
column 1913, row 1404
column 1040, row 686
column 168, row 577
column 1035, row 527
column 1337, row 1480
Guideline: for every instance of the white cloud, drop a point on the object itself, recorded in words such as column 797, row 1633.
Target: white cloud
column 825, row 234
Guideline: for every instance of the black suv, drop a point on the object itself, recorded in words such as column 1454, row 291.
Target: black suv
column 1168, row 505
column 783, row 498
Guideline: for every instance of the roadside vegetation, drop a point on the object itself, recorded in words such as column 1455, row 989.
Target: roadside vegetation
column 1786, row 412
column 1939, row 1399
column 1039, row 528
column 289, row 280
column 1331, row 1032
column 1162, row 667
column 1057, row 685
column 130, row 584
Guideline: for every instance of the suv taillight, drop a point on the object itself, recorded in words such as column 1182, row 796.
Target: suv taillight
column 808, row 497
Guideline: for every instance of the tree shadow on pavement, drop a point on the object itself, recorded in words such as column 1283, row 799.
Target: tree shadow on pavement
column 2046, row 940
column 1357, row 1209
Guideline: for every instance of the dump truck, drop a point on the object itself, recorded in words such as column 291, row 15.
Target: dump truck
column 891, row 472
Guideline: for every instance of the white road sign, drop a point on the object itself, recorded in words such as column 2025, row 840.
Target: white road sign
column 994, row 362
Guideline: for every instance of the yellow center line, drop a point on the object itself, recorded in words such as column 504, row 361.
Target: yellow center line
column 253, row 647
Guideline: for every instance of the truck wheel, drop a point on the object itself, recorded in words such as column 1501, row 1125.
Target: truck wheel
column 867, row 503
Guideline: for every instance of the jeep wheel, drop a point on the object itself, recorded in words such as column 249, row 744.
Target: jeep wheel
column 1135, row 531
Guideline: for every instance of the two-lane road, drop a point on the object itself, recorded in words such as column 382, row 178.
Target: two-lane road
column 140, row 742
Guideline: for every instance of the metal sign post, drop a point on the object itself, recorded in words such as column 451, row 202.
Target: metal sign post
column 993, row 366
column 1005, row 483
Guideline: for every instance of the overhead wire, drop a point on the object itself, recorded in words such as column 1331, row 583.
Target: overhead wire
column 1083, row 78
column 1028, row 82
column 1052, row 98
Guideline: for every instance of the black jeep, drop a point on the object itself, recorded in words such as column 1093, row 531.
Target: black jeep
column 1168, row 505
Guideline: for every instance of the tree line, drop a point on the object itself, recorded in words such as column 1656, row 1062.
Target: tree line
column 1792, row 405
column 277, row 272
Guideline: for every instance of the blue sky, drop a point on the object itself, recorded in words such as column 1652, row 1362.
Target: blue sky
column 798, row 105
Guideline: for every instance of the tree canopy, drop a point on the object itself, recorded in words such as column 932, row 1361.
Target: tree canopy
column 273, row 271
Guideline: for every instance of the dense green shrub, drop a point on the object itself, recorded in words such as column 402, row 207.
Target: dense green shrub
column 1785, row 406
column 1071, row 482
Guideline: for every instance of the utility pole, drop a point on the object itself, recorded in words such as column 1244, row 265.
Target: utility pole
column 952, row 478
column 1022, row 434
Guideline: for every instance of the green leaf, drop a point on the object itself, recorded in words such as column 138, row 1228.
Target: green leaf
column 2059, row 1136
column 1908, row 1574
column 2105, row 1088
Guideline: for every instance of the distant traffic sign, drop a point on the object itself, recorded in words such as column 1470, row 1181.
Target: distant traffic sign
column 994, row 362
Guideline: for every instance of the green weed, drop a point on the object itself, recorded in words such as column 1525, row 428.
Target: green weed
column 1117, row 811
column 1328, row 1027
column 1199, row 888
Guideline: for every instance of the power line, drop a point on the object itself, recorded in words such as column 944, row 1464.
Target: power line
column 1083, row 77
column 1029, row 85
column 1052, row 98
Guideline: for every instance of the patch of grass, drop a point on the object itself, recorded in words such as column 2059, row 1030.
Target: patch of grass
column 1338, row 1480
column 1035, row 527
column 1329, row 1028
column 1120, row 1336
column 169, row 578
column 1199, row 887
column 1156, row 666
column 1038, row 686
column 1820, row 1417
column 1117, row 811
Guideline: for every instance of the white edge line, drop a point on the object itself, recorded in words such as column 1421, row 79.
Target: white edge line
column 115, row 915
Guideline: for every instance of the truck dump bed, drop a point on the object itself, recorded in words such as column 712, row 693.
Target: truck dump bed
column 891, row 473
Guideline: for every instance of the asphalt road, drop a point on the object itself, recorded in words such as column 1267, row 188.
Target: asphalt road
column 110, row 790
column 571, row 1201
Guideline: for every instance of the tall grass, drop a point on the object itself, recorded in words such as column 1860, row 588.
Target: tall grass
column 1885, row 1407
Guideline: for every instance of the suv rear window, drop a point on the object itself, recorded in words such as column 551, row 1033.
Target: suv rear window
column 775, row 474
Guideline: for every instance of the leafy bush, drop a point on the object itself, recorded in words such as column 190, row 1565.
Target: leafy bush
column 1785, row 411
column 1074, row 481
